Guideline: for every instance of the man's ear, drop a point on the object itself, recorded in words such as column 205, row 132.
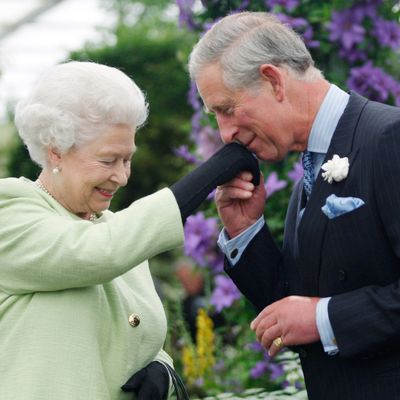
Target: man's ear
column 274, row 75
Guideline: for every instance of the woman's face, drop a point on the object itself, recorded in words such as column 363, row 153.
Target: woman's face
column 90, row 175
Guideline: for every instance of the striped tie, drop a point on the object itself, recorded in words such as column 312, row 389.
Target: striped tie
column 308, row 167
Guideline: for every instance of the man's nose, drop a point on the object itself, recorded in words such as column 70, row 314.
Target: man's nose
column 227, row 130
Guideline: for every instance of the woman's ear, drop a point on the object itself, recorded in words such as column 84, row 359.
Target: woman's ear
column 275, row 77
column 54, row 157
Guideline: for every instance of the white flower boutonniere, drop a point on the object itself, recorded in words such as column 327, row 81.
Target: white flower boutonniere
column 335, row 169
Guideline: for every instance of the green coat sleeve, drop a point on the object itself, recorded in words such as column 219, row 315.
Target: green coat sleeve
column 45, row 248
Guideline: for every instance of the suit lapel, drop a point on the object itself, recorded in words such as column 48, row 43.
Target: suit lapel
column 313, row 224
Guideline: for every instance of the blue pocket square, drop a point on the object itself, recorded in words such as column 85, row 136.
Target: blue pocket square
column 336, row 206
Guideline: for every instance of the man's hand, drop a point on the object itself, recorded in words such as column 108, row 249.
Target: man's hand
column 240, row 204
column 293, row 319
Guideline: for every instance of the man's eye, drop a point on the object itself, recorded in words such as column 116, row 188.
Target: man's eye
column 107, row 162
column 227, row 111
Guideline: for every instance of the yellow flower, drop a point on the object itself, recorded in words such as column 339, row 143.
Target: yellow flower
column 198, row 361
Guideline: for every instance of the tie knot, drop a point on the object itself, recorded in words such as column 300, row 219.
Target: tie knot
column 308, row 166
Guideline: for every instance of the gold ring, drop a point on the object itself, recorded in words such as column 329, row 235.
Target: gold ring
column 278, row 342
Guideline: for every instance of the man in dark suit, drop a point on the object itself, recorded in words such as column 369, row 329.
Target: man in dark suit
column 332, row 292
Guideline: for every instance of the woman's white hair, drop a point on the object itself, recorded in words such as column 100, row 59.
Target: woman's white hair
column 242, row 42
column 73, row 103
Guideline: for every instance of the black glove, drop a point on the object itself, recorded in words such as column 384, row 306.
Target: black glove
column 149, row 383
column 223, row 166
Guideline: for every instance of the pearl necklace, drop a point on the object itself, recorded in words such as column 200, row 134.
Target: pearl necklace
column 40, row 185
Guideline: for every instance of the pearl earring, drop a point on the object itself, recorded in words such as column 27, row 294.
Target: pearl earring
column 56, row 170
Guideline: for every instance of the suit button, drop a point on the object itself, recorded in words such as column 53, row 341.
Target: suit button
column 286, row 285
column 134, row 320
column 302, row 353
column 342, row 275
column 234, row 253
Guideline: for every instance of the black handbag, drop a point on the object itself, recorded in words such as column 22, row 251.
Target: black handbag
column 180, row 390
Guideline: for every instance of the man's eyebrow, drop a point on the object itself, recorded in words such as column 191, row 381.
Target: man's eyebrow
column 217, row 108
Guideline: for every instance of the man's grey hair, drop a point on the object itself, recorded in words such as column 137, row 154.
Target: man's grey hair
column 73, row 103
column 240, row 43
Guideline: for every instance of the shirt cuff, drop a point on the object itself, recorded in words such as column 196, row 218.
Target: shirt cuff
column 325, row 328
column 234, row 248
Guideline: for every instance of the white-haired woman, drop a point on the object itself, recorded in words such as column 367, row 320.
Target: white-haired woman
column 79, row 314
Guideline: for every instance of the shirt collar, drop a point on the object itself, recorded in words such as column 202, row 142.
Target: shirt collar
column 327, row 119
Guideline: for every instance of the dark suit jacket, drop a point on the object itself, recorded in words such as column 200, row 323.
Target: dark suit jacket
column 355, row 258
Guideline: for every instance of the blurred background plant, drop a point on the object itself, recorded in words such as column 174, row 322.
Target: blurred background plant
column 355, row 43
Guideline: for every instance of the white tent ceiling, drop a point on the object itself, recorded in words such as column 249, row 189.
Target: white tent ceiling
column 35, row 34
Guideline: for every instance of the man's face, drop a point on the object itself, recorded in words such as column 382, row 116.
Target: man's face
column 257, row 118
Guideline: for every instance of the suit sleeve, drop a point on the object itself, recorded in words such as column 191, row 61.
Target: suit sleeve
column 258, row 272
column 366, row 322
column 41, row 250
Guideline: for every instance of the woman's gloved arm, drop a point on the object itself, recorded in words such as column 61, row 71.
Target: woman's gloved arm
column 191, row 190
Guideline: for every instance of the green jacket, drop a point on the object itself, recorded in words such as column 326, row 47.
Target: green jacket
column 67, row 289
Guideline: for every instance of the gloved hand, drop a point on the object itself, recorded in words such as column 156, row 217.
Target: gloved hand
column 223, row 166
column 149, row 383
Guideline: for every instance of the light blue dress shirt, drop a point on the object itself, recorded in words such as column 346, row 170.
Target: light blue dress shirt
column 319, row 140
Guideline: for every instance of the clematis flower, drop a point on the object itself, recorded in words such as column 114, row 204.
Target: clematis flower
column 372, row 82
column 346, row 28
column 289, row 5
column 335, row 169
column 273, row 184
column 224, row 294
column 387, row 33
column 200, row 238
column 208, row 142
column 296, row 173
column 184, row 152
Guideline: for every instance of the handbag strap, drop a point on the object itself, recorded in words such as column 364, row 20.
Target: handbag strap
column 180, row 389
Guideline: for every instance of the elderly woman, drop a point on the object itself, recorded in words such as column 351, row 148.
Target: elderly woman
column 79, row 314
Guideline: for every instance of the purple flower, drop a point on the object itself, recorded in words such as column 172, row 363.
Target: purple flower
column 196, row 124
column 301, row 26
column 200, row 238
column 289, row 5
column 193, row 96
column 216, row 261
column 273, row 184
column 183, row 152
column 372, row 82
column 276, row 371
column 186, row 13
column 387, row 33
column 219, row 366
column 297, row 172
column 243, row 5
column 259, row 369
column 208, row 142
column 255, row 346
column 365, row 9
column 199, row 382
column 224, row 294
column 353, row 54
column 346, row 27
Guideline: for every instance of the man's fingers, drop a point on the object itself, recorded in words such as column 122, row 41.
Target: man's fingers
column 276, row 346
column 265, row 313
